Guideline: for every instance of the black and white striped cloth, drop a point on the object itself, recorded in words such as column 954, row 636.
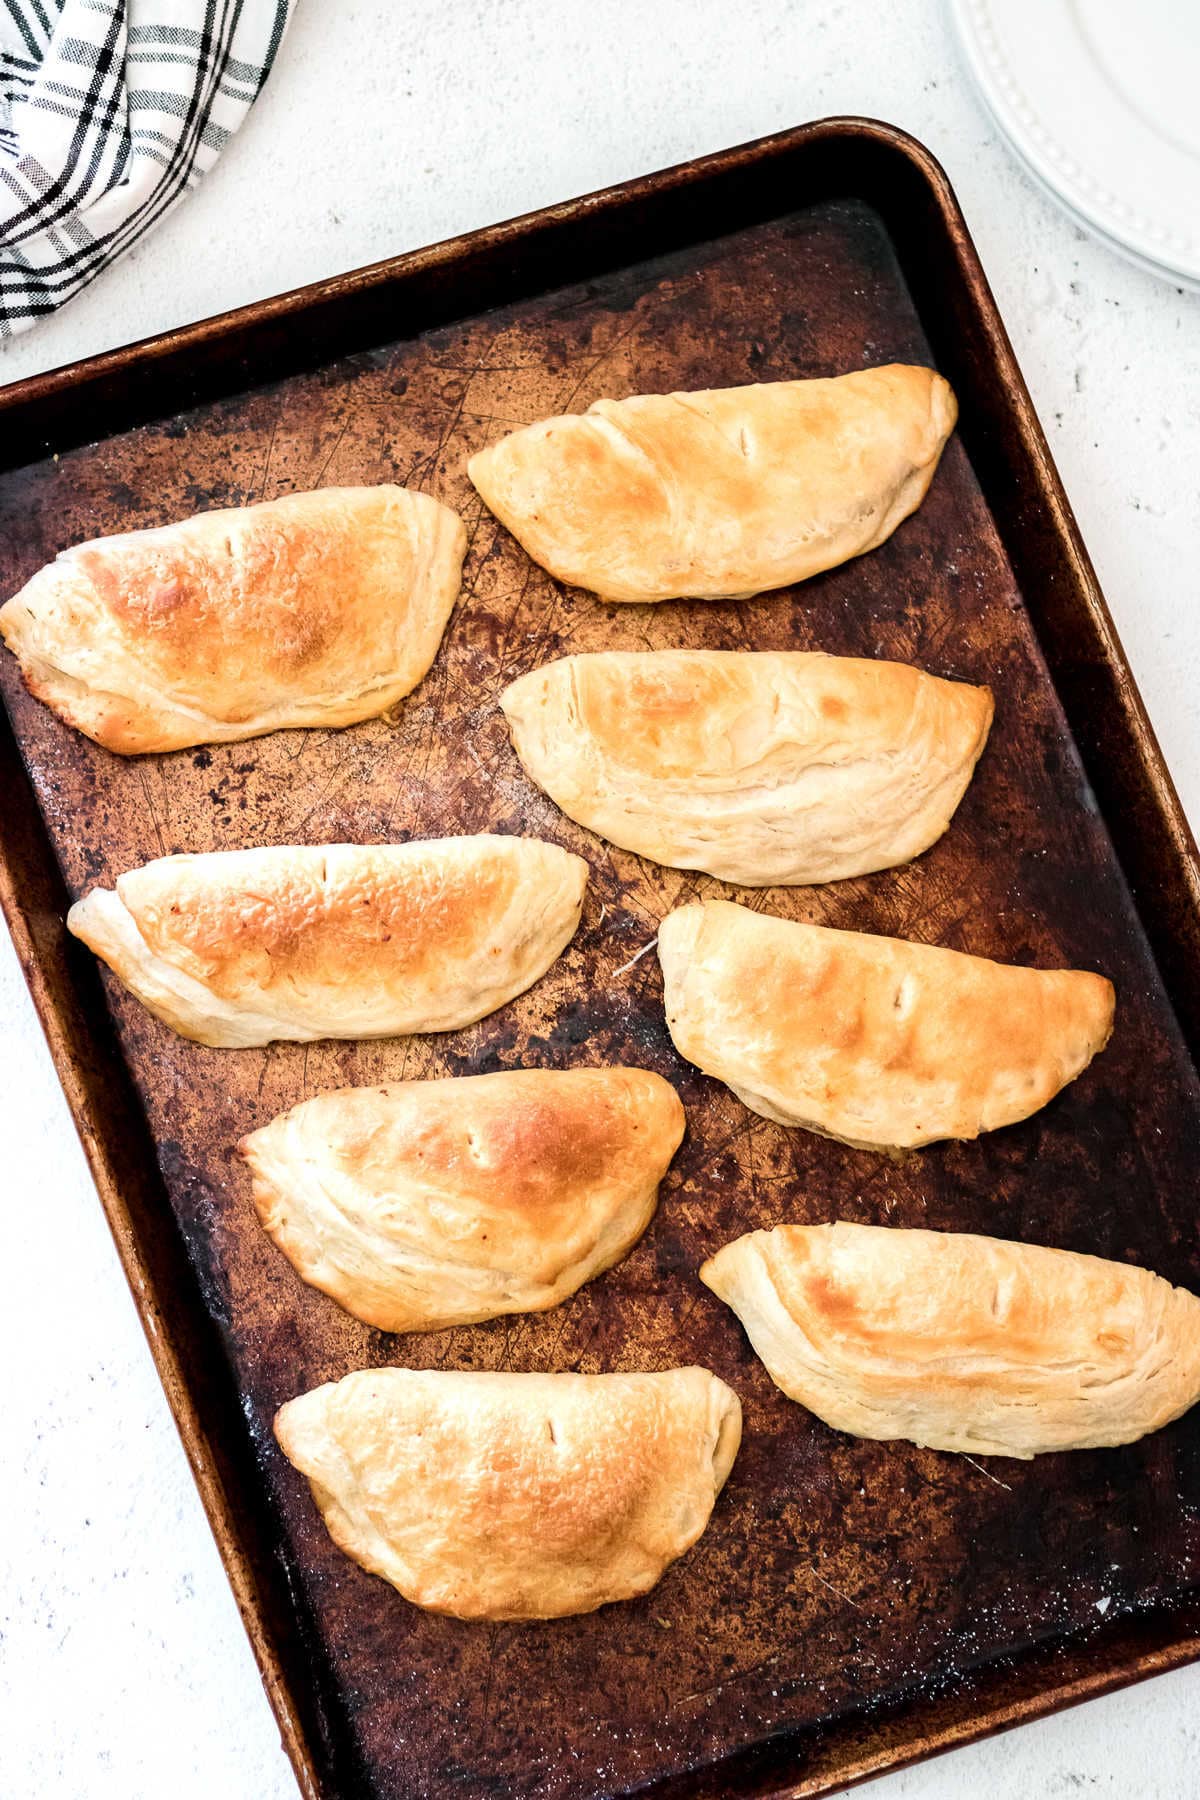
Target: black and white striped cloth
column 109, row 111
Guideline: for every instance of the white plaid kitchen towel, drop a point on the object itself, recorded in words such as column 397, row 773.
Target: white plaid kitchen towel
column 109, row 111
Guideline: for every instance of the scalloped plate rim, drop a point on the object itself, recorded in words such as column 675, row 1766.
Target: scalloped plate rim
column 1081, row 206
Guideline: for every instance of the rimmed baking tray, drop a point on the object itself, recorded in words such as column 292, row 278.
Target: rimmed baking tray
column 852, row 1605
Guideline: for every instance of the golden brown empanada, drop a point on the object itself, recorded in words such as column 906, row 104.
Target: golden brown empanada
column 961, row 1342
column 316, row 609
column 436, row 1203
column 723, row 493
column 340, row 940
column 876, row 1041
column 499, row 1496
column 759, row 766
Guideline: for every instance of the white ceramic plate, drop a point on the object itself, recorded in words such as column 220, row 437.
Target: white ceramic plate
column 1101, row 98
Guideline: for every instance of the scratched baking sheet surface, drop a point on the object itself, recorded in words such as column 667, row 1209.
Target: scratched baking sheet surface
column 834, row 1572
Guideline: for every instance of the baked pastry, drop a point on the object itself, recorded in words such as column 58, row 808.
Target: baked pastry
column 341, row 940
column 316, row 609
column 760, row 766
column 436, row 1203
column 960, row 1342
column 720, row 494
column 873, row 1040
column 499, row 1496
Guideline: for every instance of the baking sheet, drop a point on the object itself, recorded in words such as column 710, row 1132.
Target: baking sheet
column 836, row 1575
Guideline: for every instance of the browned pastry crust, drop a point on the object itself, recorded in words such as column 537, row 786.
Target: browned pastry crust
column 874, row 1040
column 500, row 1496
column 723, row 493
column 960, row 1342
column 760, row 766
column 435, row 1203
column 316, row 609
column 342, row 940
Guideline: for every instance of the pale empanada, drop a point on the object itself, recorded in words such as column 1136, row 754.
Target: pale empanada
column 759, row 766
column 873, row 1040
column 498, row 1496
column 960, row 1342
column 316, row 609
column 437, row 1203
column 340, row 940
column 723, row 493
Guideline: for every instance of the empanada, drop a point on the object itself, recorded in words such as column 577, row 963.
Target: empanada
column 960, row 1342
column 874, row 1040
column 340, row 940
column 760, row 766
column 436, row 1203
column 720, row 494
column 316, row 609
column 498, row 1496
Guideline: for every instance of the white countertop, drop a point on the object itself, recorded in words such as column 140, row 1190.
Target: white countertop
column 124, row 1671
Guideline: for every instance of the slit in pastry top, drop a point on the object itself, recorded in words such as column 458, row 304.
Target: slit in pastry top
column 761, row 767
column 961, row 1342
column 314, row 609
column 876, row 1041
column 429, row 1204
column 720, row 494
column 488, row 1495
column 240, row 947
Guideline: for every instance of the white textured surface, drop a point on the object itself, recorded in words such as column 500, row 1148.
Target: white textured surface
column 124, row 1672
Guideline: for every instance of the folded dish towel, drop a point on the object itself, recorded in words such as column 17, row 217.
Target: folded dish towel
column 109, row 111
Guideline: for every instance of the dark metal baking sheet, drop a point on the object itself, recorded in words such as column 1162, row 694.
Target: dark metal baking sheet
column 852, row 1605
